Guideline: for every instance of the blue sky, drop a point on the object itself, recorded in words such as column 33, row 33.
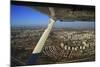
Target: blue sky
column 26, row 16
column 22, row 15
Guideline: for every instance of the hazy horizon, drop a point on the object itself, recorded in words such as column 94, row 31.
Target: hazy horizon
column 26, row 16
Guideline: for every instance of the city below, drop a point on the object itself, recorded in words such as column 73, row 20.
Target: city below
column 63, row 45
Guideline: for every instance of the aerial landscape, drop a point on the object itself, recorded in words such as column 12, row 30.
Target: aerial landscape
column 70, row 40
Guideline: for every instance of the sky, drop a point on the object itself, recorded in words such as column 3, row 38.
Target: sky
column 26, row 16
column 23, row 15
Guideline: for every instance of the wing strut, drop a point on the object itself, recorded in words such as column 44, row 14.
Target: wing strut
column 41, row 42
column 44, row 36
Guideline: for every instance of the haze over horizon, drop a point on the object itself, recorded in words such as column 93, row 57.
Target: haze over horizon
column 26, row 16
